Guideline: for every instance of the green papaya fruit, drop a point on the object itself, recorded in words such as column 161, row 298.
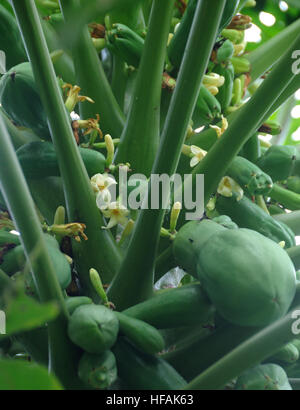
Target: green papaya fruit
column 14, row 260
column 38, row 160
column 225, row 52
column 246, row 214
column 74, row 302
column 293, row 184
column 190, row 239
column 278, row 161
column 10, row 39
column 126, row 43
column 263, row 377
column 173, row 308
column 144, row 336
column 98, row 371
column 94, row 328
column 141, row 371
column 207, row 108
column 225, row 221
column 287, row 354
column 20, row 100
column 249, row 176
column 224, row 95
column 255, row 282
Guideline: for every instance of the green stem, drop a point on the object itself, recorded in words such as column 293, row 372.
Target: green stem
column 91, row 78
column 291, row 219
column 190, row 359
column 249, row 353
column 264, row 56
column 245, row 123
column 285, row 119
column 289, row 199
column 140, row 137
column 119, row 80
column 21, row 207
column 64, row 67
column 135, row 279
column 100, row 251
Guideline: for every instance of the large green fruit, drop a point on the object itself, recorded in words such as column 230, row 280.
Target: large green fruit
column 263, row 377
column 249, row 278
column 20, row 100
column 10, row 39
column 38, row 160
column 98, row 371
column 189, row 241
column 94, row 328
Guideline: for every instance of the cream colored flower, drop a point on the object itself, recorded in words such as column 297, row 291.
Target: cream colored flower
column 227, row 186
column 198, row 154
column 116, row 213
column 220, row 131
column 100, row 184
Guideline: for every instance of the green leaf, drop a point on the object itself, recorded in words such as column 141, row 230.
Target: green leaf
column 18, row 375
column 24, row 313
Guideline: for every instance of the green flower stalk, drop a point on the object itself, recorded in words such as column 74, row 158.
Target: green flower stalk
column 247, row 354
column 95, row 85
column 140, row 138
column 62, row 355
column 246, row 122
column 134, row 281
column 80, row 198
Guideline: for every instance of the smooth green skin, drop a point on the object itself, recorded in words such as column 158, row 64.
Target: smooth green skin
column 190, row 239
column 263, row 377
column 125, row 43
column 293, row 184
column 249, row 176
column 98, row 371
column 47, row 204
column 207, row 108
column 287, row 354
column 190, row 360
column 20, row 99
column 288, row 199
column 225, row 52
column 10, row 39
column 141, row 371
column 275, row 210
column 61, row 266
column 224, row 95
column 246, row 214
column 172, row 308
column 13, row 260
column 225, row 221
column 256, row 282
column 278, row 161
column 94, row 328
column 38, row 160
column 7, row 238
column 74, row 302
column 144, row 336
